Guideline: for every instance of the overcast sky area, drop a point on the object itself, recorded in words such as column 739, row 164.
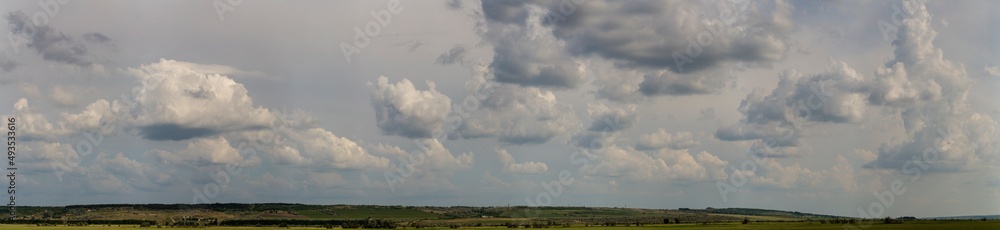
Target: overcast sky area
column 854, row 108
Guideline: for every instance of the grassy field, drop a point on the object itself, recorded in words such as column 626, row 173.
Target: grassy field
column 786, row 226
column 764, row 218
column 358, row 213
column 543, row 213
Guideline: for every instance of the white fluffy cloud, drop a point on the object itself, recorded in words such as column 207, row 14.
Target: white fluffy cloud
column 930, row 93
column 401, row 109
column 663, row 139
column 33, row 124
column 665, row 165
column 200, row 152
column 439, row 159
column 322, row 148
column 511, row 166
column 176, row 102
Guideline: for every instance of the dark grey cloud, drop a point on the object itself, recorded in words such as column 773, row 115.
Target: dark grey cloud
column 674, row 84
column 612, row 119
column 523, row 54
column 685, row 38
column 612, row 123
column 506, row 11
column 200, row 93
column 835, row 96
column 48, row 42
column 174, row 132
column 525, row 63
column 773, row 134
column 653, row 33
column 454, row 55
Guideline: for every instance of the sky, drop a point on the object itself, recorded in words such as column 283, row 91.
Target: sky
column 853, row 108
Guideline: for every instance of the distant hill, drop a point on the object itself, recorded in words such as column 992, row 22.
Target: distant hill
column 771, row 213
column 988, row 217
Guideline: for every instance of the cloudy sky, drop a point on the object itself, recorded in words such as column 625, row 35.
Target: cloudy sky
column 853, row 108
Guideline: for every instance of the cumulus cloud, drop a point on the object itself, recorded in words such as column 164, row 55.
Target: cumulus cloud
column 33, row 124
column 613, row 83
column 930, row 93
column 963, row 142
column 649, row 33
column 663, row 139
column 440, row 159
column 429, row 167
column 511, row 166
column 677, row 44
column 927, row 92
column 664, row 165
column 321, row 148
column 612, row 119
column 402, row 110
column 177, row 102
column 132, row 173
column 49, row 157
column 517, row 115
column 199, row 153
column 524, row 51
column 835, row 96
column 99, row 116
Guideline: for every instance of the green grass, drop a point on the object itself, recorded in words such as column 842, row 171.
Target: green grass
column 558, row 213
column 315, row 214
column 994, row 224
column 95, row 227
column 365, row 212
column 764, row 218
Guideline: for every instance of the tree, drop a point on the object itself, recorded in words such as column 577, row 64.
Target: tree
column 746, row 220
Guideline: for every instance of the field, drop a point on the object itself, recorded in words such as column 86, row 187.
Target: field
column 365, row 212
column 305, row 216
column 993, row 224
